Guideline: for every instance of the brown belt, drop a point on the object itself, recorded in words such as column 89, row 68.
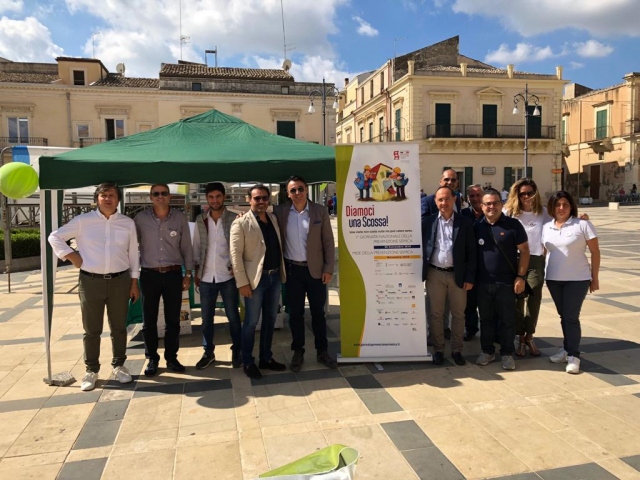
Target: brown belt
column 170, row 268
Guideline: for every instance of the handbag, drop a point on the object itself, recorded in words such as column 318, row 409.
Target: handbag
column 527, row 288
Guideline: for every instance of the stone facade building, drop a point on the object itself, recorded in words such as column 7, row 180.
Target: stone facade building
column 459, row 111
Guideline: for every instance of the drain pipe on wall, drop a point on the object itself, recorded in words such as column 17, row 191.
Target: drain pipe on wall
column 69, row 119
column 6, row 217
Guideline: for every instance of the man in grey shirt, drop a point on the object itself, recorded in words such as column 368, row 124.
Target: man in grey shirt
column 165, row 246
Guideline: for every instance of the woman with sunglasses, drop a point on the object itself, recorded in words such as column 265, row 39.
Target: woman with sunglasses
column 569, row 275
column 525, row 205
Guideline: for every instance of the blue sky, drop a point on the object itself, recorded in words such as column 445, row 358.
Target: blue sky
column 596, row 41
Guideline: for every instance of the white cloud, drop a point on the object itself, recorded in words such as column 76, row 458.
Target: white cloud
column 11, row 6
column 27, row 40
column 365, row 28
column 522, row 53
column 312, row 69
column 592, row 48
column 576, row 65
column 533, row 17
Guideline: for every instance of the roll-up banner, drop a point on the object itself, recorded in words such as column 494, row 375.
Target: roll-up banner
column 382, row 307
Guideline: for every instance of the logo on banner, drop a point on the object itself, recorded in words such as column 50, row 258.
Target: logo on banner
column 400, row 154
column 381, row 183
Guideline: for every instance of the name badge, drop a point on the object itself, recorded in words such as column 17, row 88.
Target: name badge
column 481, row 241
column 173, row 233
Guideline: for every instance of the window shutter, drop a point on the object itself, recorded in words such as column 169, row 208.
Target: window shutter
column 468, row 177
column 508, row 181
column 529, row 173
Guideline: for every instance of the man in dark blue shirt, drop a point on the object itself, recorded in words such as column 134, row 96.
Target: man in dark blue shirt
column 503, row 259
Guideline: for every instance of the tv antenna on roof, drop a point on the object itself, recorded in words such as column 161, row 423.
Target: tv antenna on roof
column 183, row 38
column 286, row 65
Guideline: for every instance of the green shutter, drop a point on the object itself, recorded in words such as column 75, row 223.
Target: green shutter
column 398, row 118
column 468, row 178
column 601, row 124
column 508, row 180
column 529, row 172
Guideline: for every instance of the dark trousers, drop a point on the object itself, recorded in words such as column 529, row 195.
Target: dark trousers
column 497, row 306
column 208, row 297
column 301, row 283
column 471, row 312
column 527, row 310
column 96, row 294
column 168, row 286
column 568, row 297
column 264, row 300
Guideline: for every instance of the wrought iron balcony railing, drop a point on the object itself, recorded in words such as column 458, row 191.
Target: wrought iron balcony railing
column 490, row 131
column 35, row 141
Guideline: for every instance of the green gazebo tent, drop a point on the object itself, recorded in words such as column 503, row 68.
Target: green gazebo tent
column 207, row 147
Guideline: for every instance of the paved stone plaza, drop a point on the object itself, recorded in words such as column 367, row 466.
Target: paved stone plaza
column 408, row 420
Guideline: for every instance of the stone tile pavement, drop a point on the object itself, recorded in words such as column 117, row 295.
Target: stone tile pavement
column 407, row 420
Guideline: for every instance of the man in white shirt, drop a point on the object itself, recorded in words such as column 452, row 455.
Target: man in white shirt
column 107, row 257
column 214, row 273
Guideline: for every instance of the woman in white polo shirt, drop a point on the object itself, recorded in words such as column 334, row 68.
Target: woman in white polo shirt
column 568, row 273
column 524, row 204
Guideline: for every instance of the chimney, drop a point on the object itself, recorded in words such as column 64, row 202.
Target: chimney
column 411, row 67
column 510, row 70
column 346, row 81
column 559, row 72
column 463, row 69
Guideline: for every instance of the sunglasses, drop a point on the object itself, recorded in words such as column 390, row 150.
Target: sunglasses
column 293, row 191
column 527, row 194
column 261, row 198
column 157, row 194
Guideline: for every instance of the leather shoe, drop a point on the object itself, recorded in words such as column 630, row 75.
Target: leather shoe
column 468, row 336
column 325, row 359
column 458, row 359
column 297, row 360
column 252, row 371
column 175, row 366
column 236, row 358
column 152, row 368
column 273, row 365
column 438, row 358
column 447, row 334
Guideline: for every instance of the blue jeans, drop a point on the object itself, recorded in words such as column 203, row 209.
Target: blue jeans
column 497, row 307
column 208, row 296
column 265, row 299
column 568, row 297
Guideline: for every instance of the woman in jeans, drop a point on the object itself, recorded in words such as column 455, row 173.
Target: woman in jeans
column 524, row 203
column 568, row 273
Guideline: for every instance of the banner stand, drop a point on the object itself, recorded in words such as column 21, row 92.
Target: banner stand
column 417, row 358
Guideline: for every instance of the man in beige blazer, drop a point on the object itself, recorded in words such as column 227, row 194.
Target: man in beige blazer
column 258, row 267
column 309, row 254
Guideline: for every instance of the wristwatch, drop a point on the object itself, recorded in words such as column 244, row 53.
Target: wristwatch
column 521, row 276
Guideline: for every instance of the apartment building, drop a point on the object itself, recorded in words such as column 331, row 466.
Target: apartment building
column 460, row 111
column 599, row 134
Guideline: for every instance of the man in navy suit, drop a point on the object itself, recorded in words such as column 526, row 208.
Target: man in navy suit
column 449, row 268
column 428, row 204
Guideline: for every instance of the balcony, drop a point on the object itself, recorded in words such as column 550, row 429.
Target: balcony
column 599, row 138
column 88, row 141
column 34, row 141
column 393, row 135
column 490, row 131
column 630, row 127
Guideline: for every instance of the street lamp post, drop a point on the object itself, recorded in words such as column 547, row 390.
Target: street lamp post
column 526, row 98
column 327, row 91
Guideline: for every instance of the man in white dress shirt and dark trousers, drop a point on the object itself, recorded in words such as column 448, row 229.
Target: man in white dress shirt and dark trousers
column 309, row 254
column 107, row 257
column 165, row 248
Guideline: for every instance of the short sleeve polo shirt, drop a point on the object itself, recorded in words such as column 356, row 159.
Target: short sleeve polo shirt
column 492, row 264
column 567, row 246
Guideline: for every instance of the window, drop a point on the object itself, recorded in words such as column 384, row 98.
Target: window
column 362, row 134
column 534, row 122
column 284, row 90
column 370, row 131
column 381, row 81
column 381, row 128
column 82, row 130
column 196, row 87
column 563, row 131
column 286, row 129
column 443, row 119
column 512, row 175
column 601, row 156
column 398, row 118
column 349, row 137
column 114, row 128
column 601, row 124
column 371, row 89
column 78, row 77
column 18, row 130
column 362, row 96
column 489, row 121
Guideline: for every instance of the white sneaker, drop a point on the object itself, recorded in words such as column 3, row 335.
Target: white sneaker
column 573, row 365
column 485, row 358
column 508, row 363
column 560, row 357
column 89, row 381
column 122, row 374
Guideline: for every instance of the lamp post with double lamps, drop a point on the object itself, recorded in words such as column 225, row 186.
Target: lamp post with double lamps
column 327, row 91
column 526, row 98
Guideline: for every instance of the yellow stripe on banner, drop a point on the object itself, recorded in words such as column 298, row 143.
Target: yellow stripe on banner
column 399, row 257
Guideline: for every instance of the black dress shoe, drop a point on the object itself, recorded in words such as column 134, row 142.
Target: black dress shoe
column 252, row 371
column 175, row 366
column 447, row 334
column 273, row 365
column 236, row 358
column 458, row 359
column 325, row 359
column 468, row 336
column 297, row 361
column 152, row 368
column 438, row 358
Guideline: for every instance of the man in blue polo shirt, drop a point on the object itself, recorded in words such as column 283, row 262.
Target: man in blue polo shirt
column 503, row 259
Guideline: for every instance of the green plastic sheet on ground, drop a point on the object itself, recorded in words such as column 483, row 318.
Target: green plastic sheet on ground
column 336, row 462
